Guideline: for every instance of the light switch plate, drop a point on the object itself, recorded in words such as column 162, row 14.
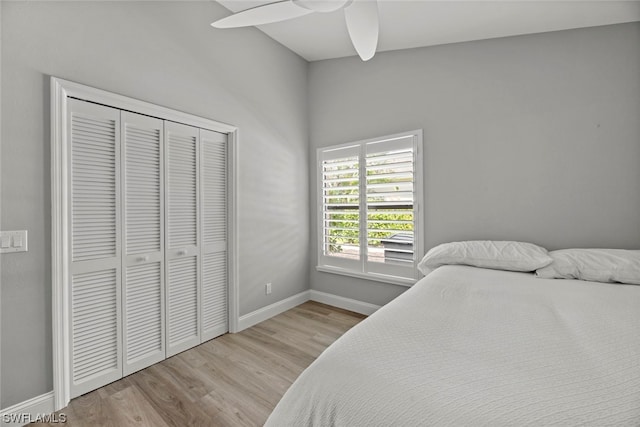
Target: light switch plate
column 13, row 241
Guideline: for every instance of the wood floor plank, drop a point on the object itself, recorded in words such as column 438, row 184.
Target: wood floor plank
column 132, row 409
column 301, row 357
column 261, row 365
column 168, row 399
column 262, row 362
column 114, row 387
column 225, row 411
column 233, row 380
column 190, row 381
column 92, row 409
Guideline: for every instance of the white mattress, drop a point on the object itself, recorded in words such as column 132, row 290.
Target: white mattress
column 474, row 347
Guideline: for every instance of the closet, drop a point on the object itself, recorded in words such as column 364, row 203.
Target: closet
column 147, row 240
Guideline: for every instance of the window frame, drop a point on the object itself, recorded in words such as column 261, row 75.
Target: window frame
column 358, row 268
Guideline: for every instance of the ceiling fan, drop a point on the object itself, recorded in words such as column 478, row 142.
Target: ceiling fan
column 361, row 17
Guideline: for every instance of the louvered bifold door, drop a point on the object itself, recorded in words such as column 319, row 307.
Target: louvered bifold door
column 94, row 243
column 183, row 235
column 143, row 242
column 213, row 184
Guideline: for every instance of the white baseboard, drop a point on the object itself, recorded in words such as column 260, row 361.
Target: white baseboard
column 35, row 409
column 271, row 310
column 344, row 303
column 265, row 313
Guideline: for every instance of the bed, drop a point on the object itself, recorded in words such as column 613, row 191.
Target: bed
column 468, row 346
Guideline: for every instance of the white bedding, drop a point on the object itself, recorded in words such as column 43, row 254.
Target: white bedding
column 474, row 347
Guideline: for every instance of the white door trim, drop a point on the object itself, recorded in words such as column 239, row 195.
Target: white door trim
column 61, row 90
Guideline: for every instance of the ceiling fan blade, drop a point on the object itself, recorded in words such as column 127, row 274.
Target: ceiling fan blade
column 362, row 22
column 265, row 14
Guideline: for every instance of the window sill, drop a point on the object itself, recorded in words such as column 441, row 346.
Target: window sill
column 391, row 280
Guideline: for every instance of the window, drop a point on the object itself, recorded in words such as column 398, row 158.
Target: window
column 369, row 194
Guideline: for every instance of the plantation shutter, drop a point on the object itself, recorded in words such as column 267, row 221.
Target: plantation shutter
column 340, row 206
column 182, row 252
column 368, row 203
column 94, row 238
column 213, row 167
column 143, row 261
column 390, row 200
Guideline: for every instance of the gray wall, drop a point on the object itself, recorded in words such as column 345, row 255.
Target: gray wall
column 533, row 138
column 165, row 53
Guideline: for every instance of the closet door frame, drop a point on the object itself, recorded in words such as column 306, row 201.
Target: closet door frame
column 61, row 91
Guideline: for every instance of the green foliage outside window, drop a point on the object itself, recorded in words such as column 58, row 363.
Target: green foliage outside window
column 337, row 238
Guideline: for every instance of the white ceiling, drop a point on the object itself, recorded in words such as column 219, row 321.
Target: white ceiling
column 414, row 23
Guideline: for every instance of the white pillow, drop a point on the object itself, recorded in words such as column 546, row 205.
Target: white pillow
column 596, row 265
column 501, row 255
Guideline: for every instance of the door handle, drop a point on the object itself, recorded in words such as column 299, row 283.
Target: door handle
column 143, row 258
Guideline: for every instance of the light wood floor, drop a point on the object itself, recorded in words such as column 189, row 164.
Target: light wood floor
column 233, row 380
